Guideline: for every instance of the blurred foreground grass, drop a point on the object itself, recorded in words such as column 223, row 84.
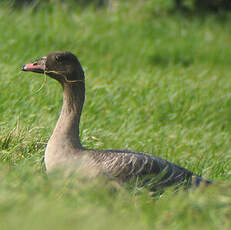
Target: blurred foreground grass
column 156, row 83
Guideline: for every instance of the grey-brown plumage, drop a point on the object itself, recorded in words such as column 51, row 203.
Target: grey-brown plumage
column 64, row 147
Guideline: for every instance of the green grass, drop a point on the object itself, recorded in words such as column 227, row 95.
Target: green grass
column 156, row 82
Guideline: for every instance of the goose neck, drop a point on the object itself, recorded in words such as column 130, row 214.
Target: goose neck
column 67, row 127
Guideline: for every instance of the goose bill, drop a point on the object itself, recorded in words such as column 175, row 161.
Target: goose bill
column 37, row 66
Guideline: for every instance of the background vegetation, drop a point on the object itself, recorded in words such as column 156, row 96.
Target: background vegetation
column 194, row 5
column 157, row 82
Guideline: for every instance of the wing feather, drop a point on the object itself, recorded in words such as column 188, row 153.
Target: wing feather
column 127, row 165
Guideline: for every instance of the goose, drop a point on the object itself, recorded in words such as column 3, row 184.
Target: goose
column 64, row 149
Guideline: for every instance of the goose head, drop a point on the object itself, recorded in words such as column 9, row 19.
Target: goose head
column 63, row 66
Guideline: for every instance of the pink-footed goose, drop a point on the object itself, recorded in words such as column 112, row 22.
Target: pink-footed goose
column 64, row 147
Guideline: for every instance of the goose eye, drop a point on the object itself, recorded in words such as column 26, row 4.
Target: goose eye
column 58, row 59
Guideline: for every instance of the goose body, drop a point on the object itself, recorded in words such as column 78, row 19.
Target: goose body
column 64, row 148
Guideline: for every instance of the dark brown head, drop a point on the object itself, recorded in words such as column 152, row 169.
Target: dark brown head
column 61, row 65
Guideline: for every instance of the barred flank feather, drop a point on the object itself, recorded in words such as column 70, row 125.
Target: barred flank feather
column 153, row 172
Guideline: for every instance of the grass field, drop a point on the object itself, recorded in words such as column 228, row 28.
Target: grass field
column 157, row 82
